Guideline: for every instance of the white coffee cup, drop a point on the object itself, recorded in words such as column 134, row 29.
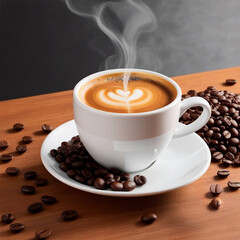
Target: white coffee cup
column 133, row 141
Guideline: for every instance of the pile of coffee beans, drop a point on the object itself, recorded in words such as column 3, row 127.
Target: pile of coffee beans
column 74, row 159
column 221, row 133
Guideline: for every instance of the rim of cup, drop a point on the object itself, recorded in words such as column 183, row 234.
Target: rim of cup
column 118, row 70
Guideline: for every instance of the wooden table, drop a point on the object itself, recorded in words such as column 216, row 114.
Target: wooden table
column 182, row 213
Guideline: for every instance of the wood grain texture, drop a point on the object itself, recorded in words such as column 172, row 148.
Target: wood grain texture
column 182, row 213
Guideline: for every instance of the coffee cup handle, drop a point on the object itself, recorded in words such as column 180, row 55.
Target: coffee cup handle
column 199, row 122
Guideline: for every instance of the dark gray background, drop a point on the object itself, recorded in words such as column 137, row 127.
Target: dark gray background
column 46, row 48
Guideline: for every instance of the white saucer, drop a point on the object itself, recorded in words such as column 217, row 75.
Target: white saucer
column 184, row 161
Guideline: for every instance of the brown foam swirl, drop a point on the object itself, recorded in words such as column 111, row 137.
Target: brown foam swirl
column 142, row 96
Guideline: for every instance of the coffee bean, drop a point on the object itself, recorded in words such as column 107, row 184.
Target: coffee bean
column 69, row 215
column 71, row 173
column 209, row 133
column 27, row 139
column 117, row 186
column 234, row 185
column 3, row 145
column 18, row 126
column 12, row 171
column 222, row 148
column 227, row 121
column 217, row 156
column 46, row 128
column 101, row 172
column 227, row 162
column 42, row 234
column 234, row 132
column 41, row 181
column 7, row 218
column 117, row 178
column 223, row 173
column 75, row 139
column 232, row 149
column 27, row 189
column 223, row 109
column 6, row 158
column 30, row 175
column 230, row 81
column 35, row 207
column 226, row 134
column 90, row 181
column 16, row 227
column 140, row 180
column 124, row 176
column 86, row 173
column 229, row 155
column 80, row 179
column 216, row 203
column 129, row 185
column 109, row 176
column 99, row 183
column 63, row 166
column 53, row 152
column 148, row 218
column 48, row 199
column 110, row 181
column 215, row 189
column 77, row 164
column 21, row 148
column 234, row 141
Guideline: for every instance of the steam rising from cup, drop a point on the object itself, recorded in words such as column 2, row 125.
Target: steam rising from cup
column 128, row 24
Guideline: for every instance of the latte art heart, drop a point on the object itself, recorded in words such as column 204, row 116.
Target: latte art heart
column 141, row 96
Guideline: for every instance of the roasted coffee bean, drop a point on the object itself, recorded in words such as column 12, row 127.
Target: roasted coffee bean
column 27, row 189
column 209, row 133
column 68, row 161
column 12, row 171
column 6, row 158
column 42, row 234
column 71, row 173
column 210, row 122
column 16, row 227
column 223, row 109
column 21, row 148
column 41, row 181
column 108, row 176
column 35, row 207
column 75, row 139
column 222, row 148
column 53, row 152
column 230, row 81
column 69, row 215
column 30, row 175
column 226, row 134
column 215, row 189
column 232, row 149
column 148, row 218
column 117, row 186
column 77, row 164
column 216, row 203
column 234, row 185
column 212, row 149
column 117, row 178
column 217, row 156
column 63, row 166
column 227, row 121
column 217, row 135
column 27, row 139
column 229, row 155
column 223, row 173
column 80, row 179
column 46, row 128
column 234, row 132
column 234, row 141
column 3, row 145
column 101, row 172
column 90, row 181
column 129, row 185
column 86, row 173
column 192, row 92
column 59, row 158
column 18, row 126
column 227, row 162
column 100, row 183
column 124, row 176
column 7, row 218
column 48, row 199
column 109, row 181
column 140, row 180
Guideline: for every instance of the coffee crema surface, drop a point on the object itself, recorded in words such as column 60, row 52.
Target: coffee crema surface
column 145, row 92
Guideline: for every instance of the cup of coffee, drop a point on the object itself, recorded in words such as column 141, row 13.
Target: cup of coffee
column 128, row 127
